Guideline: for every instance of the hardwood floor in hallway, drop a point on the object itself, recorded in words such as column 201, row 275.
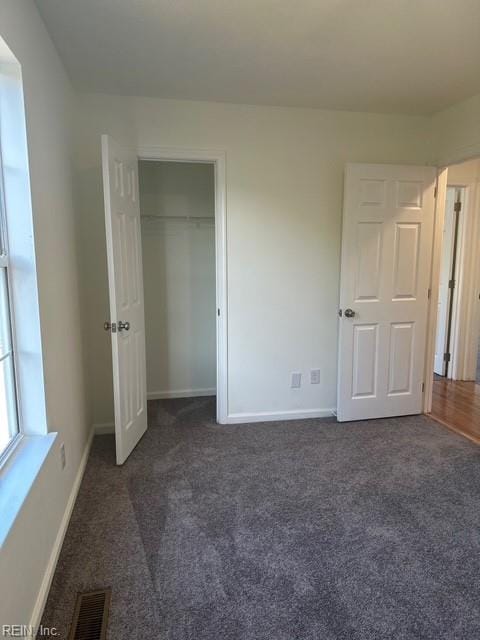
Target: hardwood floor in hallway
column 456, row 404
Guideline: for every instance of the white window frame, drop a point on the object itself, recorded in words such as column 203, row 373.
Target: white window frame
column 27, row 452
column 5, row 264
column 18, row 224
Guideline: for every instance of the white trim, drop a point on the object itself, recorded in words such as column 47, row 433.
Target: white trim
column 465, row 336
column 103, row 428
column 15, row 192
column 180, row 393
column 439, row 218
column 457, row 339
column 472, row 331
column 37, row 612
column 270, row 416
column 218, row 158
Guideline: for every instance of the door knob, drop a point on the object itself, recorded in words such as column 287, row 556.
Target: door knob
column 123, row 325
column 349, row 313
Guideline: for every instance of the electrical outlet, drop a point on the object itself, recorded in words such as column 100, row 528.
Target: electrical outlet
column 315, row 376
column 63, row 458
column 296, row 380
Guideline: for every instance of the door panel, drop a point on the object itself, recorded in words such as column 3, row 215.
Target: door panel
column 369, row 248
column 402, row 338
column 386, row 259
column 125, row 279
column 405, row 274
column 365, row 357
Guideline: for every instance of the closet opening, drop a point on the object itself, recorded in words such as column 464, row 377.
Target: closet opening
column 177, row 212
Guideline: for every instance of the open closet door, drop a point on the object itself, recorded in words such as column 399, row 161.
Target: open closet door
column 125, row 281
column 386, row 262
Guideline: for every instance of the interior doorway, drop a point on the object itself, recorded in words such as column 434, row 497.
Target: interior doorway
column 455, row 392
column 451, row 260
column 177, row 212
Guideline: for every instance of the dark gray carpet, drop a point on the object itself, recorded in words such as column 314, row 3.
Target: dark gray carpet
column 306, row 530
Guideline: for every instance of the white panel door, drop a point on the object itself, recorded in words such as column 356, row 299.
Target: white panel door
column 125, row 280
column 444, row 290
column 386, row 259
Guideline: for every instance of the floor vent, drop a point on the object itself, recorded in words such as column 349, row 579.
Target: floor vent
column 91, row 616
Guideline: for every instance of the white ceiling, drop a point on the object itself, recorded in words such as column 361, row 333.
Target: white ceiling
column 405, row 56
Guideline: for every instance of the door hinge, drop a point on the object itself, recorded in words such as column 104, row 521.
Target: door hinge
column 218, row 312
column 423, row 387
column 446, row 357
column 435, row 191
column 457, row 207
column 451, row 284
column 429, row 294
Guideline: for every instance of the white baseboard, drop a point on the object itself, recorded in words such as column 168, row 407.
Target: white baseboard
column 37, row 613
column 180, row 393
column 270, row 416
column 103, row 428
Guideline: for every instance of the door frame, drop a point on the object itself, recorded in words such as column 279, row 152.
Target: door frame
column 434, row 289
column 458, row 296
column 217, row 157
column 457, row 156
column 467, row 318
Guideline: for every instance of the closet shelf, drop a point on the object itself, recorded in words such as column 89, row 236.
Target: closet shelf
column 184, row 218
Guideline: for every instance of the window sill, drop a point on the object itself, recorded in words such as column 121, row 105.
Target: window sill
column 18, row 475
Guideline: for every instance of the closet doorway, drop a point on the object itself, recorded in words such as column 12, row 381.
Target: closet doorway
column 177, row 212
column 183, row 234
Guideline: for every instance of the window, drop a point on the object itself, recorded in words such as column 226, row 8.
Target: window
column 22, row 389
column 8, row 397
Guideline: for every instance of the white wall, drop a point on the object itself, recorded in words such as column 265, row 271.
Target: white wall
column 179, row 276
column 464, row 173
column 456, row 132
column 284, row 205
column 48, row 100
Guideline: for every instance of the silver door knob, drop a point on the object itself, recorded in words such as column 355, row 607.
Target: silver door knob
column 123, row 325
column 349, row 313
